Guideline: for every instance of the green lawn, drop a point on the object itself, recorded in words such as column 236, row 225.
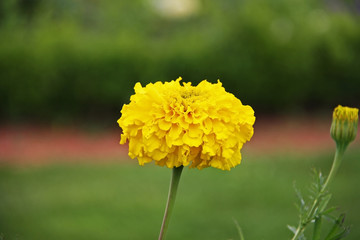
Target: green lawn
column 125, row 201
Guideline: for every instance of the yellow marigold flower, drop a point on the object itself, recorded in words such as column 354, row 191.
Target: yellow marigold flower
column 177, row 125
column 344, row 125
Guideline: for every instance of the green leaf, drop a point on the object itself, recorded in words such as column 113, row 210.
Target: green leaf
column 317, row 228
column 342, row 234
column 302, row 237
column 324, row 202
column 241, row 235
column 292, row 229
column 338, row 231
column 328, row 211
column 302, row 206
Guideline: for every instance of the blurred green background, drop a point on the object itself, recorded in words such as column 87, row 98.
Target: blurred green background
column 67, row 61
column 125, row 201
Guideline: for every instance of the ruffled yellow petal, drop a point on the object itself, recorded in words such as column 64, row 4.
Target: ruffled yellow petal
column 178, row 124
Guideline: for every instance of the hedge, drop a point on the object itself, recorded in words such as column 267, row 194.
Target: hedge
column 81, row 60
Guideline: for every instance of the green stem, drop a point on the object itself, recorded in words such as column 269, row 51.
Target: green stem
column 340, row 149
column 298, row 232
column 174, row 183
column 317, row 228
column 335, row 166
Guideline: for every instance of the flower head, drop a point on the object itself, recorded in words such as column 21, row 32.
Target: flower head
column 180, row 125
column 344, row 125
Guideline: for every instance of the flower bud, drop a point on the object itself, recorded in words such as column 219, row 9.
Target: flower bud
column 344, row 125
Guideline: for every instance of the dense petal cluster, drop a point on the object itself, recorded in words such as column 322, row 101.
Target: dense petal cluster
column 344, row 125
column 174, row 125
column 346, row 113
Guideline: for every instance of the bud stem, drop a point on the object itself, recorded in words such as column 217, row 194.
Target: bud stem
column 174, row 183
column 340, row 149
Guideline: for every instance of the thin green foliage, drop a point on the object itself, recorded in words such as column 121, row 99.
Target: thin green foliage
column 315, row 209
column 241, row 235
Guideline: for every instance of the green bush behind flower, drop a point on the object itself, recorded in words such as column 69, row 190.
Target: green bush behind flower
column 64, row 60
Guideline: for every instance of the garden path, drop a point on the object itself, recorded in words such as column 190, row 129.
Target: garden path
column 39, row 145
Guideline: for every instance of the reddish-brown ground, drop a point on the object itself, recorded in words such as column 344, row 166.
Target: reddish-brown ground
column 24, row 144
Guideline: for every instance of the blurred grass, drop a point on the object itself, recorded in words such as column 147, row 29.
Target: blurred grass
column 125, row 201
